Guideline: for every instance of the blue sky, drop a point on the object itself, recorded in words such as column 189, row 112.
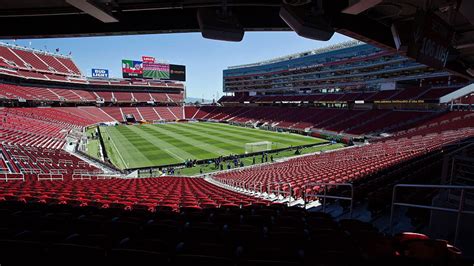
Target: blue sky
column 204, row 59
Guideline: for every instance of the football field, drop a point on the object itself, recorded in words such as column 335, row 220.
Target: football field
column 161, row 144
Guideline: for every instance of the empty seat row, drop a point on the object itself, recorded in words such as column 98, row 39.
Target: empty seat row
column 254, row 235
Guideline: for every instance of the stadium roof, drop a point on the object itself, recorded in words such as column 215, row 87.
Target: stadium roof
column 329, row 48
column 390, row 24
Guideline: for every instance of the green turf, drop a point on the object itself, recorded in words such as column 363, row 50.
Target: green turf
column 209, row 168
column 92, row 144
column 161, row 144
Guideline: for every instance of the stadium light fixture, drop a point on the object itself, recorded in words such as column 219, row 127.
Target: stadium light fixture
column 93, row 10
column 307, row 22
column 358, row 6
column 219, row 24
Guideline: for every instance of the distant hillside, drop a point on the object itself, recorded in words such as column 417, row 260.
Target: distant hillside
column 200, row 100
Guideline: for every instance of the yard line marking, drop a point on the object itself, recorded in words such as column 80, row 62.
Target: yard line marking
column 190, row 140
column 199, row 131
column 256, row 133
column 187, row 140
column 163, row 145
column 115, row 147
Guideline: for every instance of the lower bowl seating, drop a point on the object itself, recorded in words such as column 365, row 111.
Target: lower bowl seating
column 252, row 235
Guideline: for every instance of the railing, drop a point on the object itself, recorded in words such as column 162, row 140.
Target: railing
column 85, row 171
column 232, row 183
column 82, row 163
column 257, row 186
column 64, row 161
column 50, row 176
column 278, row 190
column 104, row 177
column 31, row 171
column 90, row 176
column 325, row 195
column 12, row 176
column 57, row 171
column 461, row 161
column 82, row 176
column 44, row 160
column 460, row 210
column 21, row 158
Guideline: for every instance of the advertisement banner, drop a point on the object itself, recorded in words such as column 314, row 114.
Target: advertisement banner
column 148, row 59
column 100, row 73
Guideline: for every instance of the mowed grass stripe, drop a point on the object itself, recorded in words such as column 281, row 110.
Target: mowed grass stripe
column 196, row 148
column 248, row 135
column 221, row 138
column 221, row 146
column 190, row 138
column 180, row 147
column 218, row 138
column 241, row 137
column 153, row 145
column 112, row 150
column 156, row 155
column 125, row 148
column 260, row 134
column 159, row 143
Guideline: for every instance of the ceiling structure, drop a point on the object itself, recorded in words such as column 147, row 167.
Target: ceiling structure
column 385, row 23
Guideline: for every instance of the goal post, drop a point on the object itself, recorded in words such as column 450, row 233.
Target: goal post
column 258, row 146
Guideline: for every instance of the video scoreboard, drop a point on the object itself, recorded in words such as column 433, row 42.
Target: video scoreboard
column 147, row 68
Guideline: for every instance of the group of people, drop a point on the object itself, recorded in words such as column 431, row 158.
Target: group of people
column 221, row 163
column 163, row 171
column 263, row 158
column 190, row 163
column 231, row 160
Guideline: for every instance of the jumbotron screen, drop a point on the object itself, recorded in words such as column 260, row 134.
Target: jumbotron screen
column 156, row 71
column 178, row 72
column 132, row 69
column 151, row 70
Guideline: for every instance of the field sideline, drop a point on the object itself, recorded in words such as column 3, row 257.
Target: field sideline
column 161, row 144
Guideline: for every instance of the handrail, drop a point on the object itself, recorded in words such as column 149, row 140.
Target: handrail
column 257, row 189
column 454, row 160
column 82, row 177
column 58, row 171
column 279, row 191
column 325, row 196
column 460, row 210
column 17, row 176
column 50, row 176
column 31, row 171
